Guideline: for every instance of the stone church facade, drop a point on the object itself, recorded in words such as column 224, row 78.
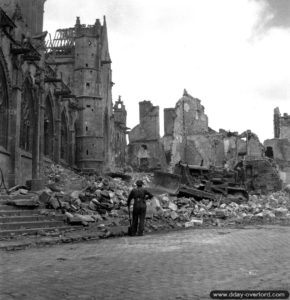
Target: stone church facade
column 55, row 98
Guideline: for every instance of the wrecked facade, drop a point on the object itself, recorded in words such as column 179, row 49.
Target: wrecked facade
column 145, row 150
column 56, row 99
column 279, row 147
column 188, row 137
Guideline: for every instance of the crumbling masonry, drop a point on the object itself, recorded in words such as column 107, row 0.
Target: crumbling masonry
column 145, row 150
column 188, row 137
column 279, row 147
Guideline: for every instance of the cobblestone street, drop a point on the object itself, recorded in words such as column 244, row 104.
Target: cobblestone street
column 180, row 265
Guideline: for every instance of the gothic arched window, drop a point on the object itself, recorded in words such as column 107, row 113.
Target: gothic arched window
column 48, row 129
column 3, row 108
column 27, row 118
column 64, row 137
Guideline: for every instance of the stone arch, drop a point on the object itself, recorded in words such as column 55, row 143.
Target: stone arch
column 64, row 136
column 48, row 127
column 27, row 116
column 4, row 103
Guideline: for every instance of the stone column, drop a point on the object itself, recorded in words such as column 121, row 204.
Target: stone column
column 14, row 132
column 57, row 132
column 41, row 142
column 36, row 182
column 72, row 147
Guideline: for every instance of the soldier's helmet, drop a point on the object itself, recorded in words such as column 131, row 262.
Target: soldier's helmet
column 139, row 183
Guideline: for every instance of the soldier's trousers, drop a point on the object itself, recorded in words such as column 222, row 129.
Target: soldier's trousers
column 138, row 222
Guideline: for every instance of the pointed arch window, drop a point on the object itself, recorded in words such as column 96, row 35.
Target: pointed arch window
column 64, row 137
column 3, row 108
column 26, row 123
column 48, row 129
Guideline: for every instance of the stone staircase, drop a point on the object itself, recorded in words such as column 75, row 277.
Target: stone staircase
column 28, row 220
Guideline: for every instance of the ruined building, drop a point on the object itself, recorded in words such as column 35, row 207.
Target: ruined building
column 145, row 150
column 56, row 98
column 188, row 138
column 278, row 148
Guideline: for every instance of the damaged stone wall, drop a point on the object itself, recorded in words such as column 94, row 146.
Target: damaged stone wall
column 281, row 125
column 279, row 147
column 145, row 151
column 188, row 138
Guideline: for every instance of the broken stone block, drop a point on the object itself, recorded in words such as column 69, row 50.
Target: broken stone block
column 75, row 194
column 149, row 210
column 188, row 224
column 97, row 217
column 85, row 218
column 172, row 206
column 287, row 189
column 173, row 215
column 113, row 213
column 280, row 212
column 92, row 206
column 23, row 191
column 155, row 203
column 101, row 226
column 220, row 213
column 197, row 221
column 44, row 197
column 54, row 203
column 69, row 215
column 269, row 214
column 85, row 206
column 77, row 202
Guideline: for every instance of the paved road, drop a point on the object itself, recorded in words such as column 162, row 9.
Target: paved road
column 180, row 265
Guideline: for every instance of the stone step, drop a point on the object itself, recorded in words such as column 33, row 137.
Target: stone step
column 12, row 207
column 31, row 231
column 19, row 212
column 16, row 197
column 16, row 219
column 30, row 225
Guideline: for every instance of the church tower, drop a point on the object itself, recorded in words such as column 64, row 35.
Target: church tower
column 92, row 87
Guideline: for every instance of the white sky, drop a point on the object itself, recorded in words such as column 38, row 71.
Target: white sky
column 233, row 55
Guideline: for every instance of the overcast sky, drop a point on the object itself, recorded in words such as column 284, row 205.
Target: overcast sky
column 232, row 55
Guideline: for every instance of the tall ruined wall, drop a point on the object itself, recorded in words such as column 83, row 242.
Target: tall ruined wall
column 148, row 128
column 145, row 150
column 279, row 147
column 285, row 127
column 279, row 150
column 281, row 125
column 188, row 138
column 189, row 143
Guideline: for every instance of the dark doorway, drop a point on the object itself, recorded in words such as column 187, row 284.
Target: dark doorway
column 269, row 152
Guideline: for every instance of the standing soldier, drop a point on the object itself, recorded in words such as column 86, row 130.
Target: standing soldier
column 139, row 195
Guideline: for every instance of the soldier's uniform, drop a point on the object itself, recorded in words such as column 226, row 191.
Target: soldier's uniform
column 139, row 195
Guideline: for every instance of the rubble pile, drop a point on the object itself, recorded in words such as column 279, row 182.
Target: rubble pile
column 62, row 179
column 103, row 201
